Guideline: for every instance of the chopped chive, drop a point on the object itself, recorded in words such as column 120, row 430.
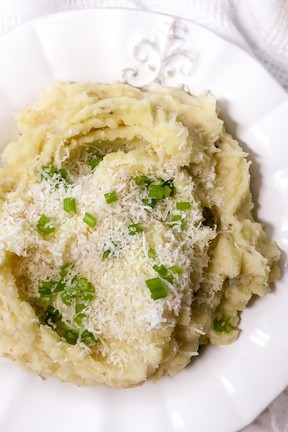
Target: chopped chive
column 166, row 191
column 177, row 218
column 176, row 269
column 57, row 176
column 158, row 182
column 157, row 288
column 45, row 288
column 183, row 225
column 106, row 253
column 169, row 278
column 183, row 206
column 89, row 296
column 151, row 202
column 222, row 326
column 81, row 283
column 152, row 254
column 71, row 336
column 170, row 184
column 69, row 205
column 111, row 197
column 164, row 273
column 89, row 220
column 141, row 180
column 94, row 161
column 155, row 191
column 64, row 270
column 88, row 335
column 45, row 225
column 161, row 270
column 79, row 307
column 63, row 173
column 134, row 229
column 49, row 170
column 67, row 298
column 79, row 319
column 58, row 287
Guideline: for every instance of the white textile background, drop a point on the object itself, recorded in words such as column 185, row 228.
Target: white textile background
column 259, row 26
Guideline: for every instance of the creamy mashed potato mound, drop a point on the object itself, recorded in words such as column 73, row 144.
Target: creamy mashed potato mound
column 126, row 234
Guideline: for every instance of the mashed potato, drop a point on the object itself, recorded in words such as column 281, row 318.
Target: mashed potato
column 126, row 234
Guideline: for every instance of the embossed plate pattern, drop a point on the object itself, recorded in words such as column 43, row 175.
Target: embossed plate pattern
column 227, row 386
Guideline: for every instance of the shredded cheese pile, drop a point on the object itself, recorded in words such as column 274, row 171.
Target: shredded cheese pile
column 162, row 134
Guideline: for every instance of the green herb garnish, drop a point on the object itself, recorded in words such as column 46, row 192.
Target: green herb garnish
column 50, row 172
column 45, row 225
column 156, row 190
column 151, row 202
column 152, row 254
column 111, row 197
column 71, row 336
column 141, row 180
column 69, row 205
column 88, row 335
column 134, row 229
column 222, row 326
column 89, row 220
column 164, row 272
column 106, row 253
column 183, row 206
column 176, row 269
column 94, row 161
column 157, row 288
column 64, row 270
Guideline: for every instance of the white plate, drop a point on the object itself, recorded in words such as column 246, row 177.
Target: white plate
column 227, row 386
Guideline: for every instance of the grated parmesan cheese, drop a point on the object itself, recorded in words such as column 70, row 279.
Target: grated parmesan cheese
column 160, row 134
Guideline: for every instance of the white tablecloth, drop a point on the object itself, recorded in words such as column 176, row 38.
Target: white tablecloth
column 260, row 26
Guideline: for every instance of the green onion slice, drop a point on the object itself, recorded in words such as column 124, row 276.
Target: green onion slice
column 64, row 270
column 67, row 297
column 88, row 335
column 45, row 225
column 177, row 218
column 164, row 273
column 45, row 288
column 111, row 197
column 57, row 176
column 69, row 205
column 157, row 288
column 79, row 307
column 71, row 336
column 161, row 270
column 167, row 191
column 89, row 220
column 134, row 229
column 141, row 180
column 158, row 182
column 79, row 318
column 94, row 161
column 106, row 253
column 155, row 191
column 183, row 206
column 176, row 269
column 152, row 254
column 151, row 202
column 222, row 326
